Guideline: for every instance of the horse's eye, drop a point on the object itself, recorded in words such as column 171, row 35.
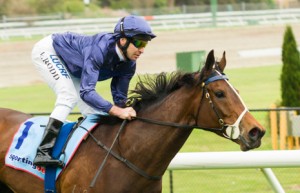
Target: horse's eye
column 219, row 94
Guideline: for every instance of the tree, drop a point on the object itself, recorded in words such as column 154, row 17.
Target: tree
column 290, row 74
column 16, row 8
column 3, row 6
column 46, row 6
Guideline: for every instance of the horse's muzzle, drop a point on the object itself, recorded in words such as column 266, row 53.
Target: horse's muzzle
column 253, row 140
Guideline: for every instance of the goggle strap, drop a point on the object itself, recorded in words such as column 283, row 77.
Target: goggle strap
column 122, row 27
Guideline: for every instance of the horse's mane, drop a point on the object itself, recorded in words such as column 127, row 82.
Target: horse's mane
column 153, row 88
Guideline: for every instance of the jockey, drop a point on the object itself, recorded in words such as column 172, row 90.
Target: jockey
column 72, row 64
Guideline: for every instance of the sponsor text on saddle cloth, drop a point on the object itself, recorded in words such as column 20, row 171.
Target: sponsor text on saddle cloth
column 23, row 148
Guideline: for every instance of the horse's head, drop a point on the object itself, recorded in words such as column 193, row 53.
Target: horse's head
column 225, row 108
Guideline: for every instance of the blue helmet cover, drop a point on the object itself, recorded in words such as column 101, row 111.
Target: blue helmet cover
column 133, row 26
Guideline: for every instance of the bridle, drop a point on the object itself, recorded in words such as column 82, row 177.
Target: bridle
column 230, row 131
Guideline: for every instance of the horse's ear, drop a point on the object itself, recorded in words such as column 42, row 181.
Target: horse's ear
column 222, row 62
column 210, row 61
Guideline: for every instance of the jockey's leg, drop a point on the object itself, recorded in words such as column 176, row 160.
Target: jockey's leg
column 84, row 108
column 55, row 74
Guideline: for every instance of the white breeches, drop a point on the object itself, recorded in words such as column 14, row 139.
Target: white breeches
column 55, row 74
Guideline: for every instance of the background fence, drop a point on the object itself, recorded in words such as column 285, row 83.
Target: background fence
column 34, row 26
column 232, row 160
column 211, row 177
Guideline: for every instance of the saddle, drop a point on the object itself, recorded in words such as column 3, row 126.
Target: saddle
column 23, row 148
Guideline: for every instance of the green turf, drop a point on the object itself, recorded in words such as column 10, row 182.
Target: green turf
column 258, row 86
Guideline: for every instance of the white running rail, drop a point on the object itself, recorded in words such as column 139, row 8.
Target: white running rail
column 234, row 160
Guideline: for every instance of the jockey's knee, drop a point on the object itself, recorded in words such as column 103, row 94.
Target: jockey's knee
column 69, row 101
column 63, row 108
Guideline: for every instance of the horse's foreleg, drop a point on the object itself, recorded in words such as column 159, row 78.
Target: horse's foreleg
column 4, row 188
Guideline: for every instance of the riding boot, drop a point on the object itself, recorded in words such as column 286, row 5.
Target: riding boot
column 44, row 151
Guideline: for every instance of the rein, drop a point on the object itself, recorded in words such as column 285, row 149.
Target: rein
column 117, row 156
column 162, row 123
column 107, row 154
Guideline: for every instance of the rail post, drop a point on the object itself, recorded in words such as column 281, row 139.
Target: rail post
column 274, row 126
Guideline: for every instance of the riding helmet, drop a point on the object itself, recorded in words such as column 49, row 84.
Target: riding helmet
column 134, row 26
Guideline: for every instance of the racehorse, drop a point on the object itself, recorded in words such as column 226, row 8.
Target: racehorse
column 169, row 107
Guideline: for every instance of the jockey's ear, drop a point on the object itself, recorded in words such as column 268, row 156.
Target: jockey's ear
column 123, row 41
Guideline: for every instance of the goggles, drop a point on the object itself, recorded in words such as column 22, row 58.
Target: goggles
column 139, row 43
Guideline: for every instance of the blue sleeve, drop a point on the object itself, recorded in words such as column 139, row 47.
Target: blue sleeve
column 119, row 89
column 88, row 83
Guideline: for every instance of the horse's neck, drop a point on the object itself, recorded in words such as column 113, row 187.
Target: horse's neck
column 156, row 145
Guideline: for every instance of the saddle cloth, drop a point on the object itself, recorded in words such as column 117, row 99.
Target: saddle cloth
column 26, row 140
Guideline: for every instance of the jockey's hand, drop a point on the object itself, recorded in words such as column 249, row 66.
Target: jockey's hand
column 122, row 113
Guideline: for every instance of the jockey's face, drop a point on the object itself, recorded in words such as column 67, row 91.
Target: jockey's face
column 133, row 53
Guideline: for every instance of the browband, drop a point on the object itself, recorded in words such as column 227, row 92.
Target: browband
column 215, row 78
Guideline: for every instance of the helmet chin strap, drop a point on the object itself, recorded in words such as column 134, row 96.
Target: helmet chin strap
column 124, row 48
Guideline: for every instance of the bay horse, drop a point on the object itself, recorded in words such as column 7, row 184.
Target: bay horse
column 170, row 107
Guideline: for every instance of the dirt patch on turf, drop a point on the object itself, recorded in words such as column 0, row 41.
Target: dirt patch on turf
column 160, row 54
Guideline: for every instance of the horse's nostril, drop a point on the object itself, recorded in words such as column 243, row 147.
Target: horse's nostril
column 255, row 134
